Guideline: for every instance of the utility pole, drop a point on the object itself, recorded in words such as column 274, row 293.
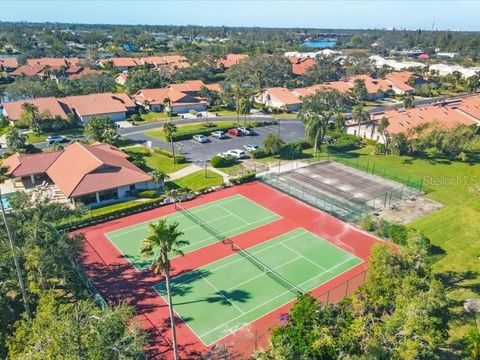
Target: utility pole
column 15, row 260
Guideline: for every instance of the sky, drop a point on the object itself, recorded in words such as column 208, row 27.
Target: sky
column 353, row 14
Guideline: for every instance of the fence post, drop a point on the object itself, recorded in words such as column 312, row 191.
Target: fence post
column 373, row 168
column 346, row 289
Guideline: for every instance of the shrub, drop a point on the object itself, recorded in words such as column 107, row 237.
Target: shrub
column 180, row 159
column 148, row 194
column 344, row 142
column 380, row 149
column 291, row 150
column 243, row 179
column 259, row 154
column 218, row 161
column 163, row 152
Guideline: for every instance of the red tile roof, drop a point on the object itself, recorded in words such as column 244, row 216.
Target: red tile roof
column 301, row 65
column 214, row 87
column 53, row 62
column 445, row 116
column 9, row 63
column 283, row 95
column 29, row 164
column 399, row 79
column 471, row 106
column 188, row 86
column 28, row 70
column 231, row 59
column 156, row 96
column 98, row 104
column 83, row 169
column 13, row 110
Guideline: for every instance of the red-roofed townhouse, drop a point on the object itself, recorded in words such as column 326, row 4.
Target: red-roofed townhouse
column 399, row 81
column 280, row 98
column 90, row 174
column 179, row 102
column 301, row 65
column 230, row 60
column 8, row 64
column 50, row 105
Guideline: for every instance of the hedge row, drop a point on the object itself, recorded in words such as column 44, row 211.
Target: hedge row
column 244, row 179
column 187, row 135
column 179, row 159
column 128, row 210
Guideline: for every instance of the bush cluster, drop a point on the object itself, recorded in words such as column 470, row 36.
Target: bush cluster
column 218, row 161
column 147, row 194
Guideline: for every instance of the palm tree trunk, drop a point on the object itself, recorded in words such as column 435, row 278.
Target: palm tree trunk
column 172, row 316
column 173, row 150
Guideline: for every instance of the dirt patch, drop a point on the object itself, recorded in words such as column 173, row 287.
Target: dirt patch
column 409, row 209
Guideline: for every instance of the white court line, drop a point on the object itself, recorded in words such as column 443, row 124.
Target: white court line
column 311, row 261
column 198, row 208
column 262, row 274
column 274, row 298
column 221, row 293
column 233, row 214
column 239, row 259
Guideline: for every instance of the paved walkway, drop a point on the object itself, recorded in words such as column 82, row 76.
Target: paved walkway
column 184, row 172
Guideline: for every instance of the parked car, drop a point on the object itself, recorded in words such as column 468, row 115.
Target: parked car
column 200, row 138
column 250, row 147
column 234, row 132
column 246, row 131
column 52, row 139
column 237, row 154
column 219, row 134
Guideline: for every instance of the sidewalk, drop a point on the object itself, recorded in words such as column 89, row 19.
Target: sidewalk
column 184, row 172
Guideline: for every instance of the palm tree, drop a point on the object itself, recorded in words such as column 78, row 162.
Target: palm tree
column 315, row 128
column 170, row 128
column 163, row 241
column 360, row 114
column 158, row 178
column 339, row 121
column 382, row 127
column 472, row 342
column 15, row 139
column 167, row 104
column 32, row 112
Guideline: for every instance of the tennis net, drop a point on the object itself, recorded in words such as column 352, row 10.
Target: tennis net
column 247, row 255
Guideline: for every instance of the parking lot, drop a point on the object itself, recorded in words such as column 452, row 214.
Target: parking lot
column 289, row 131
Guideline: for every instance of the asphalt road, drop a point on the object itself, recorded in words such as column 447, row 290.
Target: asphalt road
column 290, row 130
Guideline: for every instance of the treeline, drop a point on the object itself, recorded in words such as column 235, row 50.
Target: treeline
column 50, row 315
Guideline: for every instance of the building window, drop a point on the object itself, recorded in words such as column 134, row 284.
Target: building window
column 132, row 187
column 87, row 199
column 108, row 195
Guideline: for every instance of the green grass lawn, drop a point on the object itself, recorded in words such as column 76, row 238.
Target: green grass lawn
column 197, row 180
column 154, row 161
column 453, row 230
column 152, row 117
column 233, row 170
column 187, row 128
column 33, row 137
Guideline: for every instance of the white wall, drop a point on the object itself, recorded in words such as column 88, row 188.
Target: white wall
column 179, row 109
column 367, row 131
column 119, row 116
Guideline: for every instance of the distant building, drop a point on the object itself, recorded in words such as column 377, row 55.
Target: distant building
column 280, row 98
column 179, row 102
column 379, row 62
column 230, row 60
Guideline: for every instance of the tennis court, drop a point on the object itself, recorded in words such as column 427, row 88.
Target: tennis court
column 219, row 298
column 201, row 225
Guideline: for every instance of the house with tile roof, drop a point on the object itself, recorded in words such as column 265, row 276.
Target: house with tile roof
column 230, row 60
column 301, row 65
column 49, row 105
column 447, row 115
column 87, row 174
column 86, row 107
column 8, row 64
column 280, row 98
column 399, row 81
column 179, row 102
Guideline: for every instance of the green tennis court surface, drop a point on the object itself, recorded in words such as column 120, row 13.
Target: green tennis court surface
column 229, row 216
column 219, row 298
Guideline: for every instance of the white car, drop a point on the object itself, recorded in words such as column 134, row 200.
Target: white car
column 250, row 147
column 237, row 154
column 219, row 134
column 56, row 139
column 245, row 130
column 223, row 155
column 200, row 138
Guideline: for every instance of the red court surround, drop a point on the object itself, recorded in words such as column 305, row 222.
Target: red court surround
column 117, row 280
